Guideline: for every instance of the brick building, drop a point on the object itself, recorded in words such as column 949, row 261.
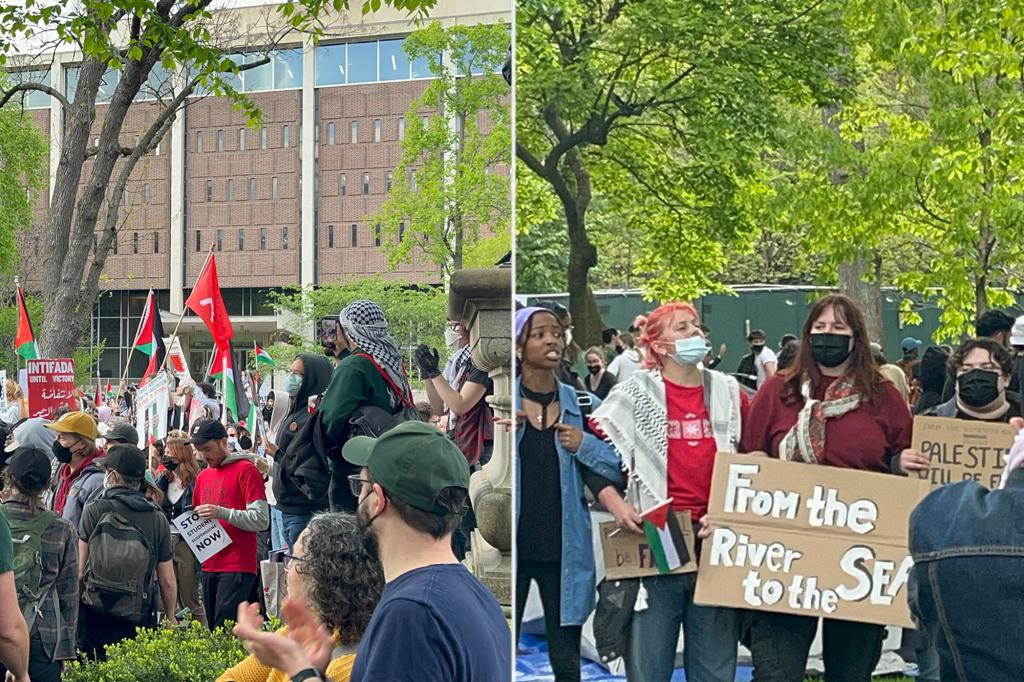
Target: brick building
column 283, row 207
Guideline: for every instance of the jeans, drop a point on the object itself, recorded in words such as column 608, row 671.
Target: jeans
column 779, row 643
column 711, row 634
column 294, row 524
column 277, row 536
column 927, row 664
column 563, row 640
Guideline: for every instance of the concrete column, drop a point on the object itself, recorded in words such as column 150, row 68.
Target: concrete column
column 179, row 143
column 56, row 116
column 307, row 240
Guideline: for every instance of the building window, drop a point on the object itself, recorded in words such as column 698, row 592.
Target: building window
column 284, row 238
column 220, row 240
column 355, row 132
column 157, row 150
column 273, row 187
column 401, row 231
column 252, row 189
column 114, row 244
column 341, row 184
column 95, row 142
column 263, row 138
column 231, row 190
column 330, row 236
column 145, row 193
column 241, row 139
column 330, row 133
column 401, row 128
column 209, row 191
column 285, row 140
column 388, row 178
column 263, row 239
column 426, row 121
column 366, row 183
column 355, row 235
column 241, row 239
column 220, row 140
column 135, row 243
column 412, row 181
column 376, row 130
column 199, row 142
column 199, row 240
column 156, row 242
column 124, row 195
column 376, row 235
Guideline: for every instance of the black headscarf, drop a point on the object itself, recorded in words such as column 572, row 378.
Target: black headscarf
column 316, row 375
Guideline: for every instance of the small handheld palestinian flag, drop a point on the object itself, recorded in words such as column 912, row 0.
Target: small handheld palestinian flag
column 262, row 355
column 665, row 537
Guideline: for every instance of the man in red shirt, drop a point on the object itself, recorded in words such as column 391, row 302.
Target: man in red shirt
column 230, row 490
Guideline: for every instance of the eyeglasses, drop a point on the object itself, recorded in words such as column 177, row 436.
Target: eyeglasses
column 355, row 484
column 288, row 558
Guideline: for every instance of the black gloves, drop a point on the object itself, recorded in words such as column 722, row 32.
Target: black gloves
column 427, row 359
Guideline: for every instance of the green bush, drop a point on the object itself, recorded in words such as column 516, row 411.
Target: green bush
column 186, row 654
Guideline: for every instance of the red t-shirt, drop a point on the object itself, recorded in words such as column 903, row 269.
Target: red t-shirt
column 860, row 439
column 232, row 486
column 691, row 447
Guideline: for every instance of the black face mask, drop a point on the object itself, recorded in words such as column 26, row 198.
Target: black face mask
column 245, row 442
column 268, row 412
column 830, row 350
column 978, row 387
column 169, row 463
column 61, row 453
column 594, row 369
column 757, row 349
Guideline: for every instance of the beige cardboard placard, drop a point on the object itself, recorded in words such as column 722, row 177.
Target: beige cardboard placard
column 808, row 539
column 962, row 450
column 628, row 555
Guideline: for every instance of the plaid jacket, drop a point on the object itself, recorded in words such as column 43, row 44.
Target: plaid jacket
column 60, row 575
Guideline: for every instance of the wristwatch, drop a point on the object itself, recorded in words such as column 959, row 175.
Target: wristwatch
column 307, row 674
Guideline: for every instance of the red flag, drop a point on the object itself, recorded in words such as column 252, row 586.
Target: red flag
column 206, row 302
column 99, row 394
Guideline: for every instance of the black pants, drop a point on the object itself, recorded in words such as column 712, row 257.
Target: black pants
column 96, row 630
column 779, row 644
column 223, row 592
column 40, row 667
column 563, row 641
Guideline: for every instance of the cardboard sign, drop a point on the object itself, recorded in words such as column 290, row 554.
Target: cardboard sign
column 962, row 449
column 809, row 540
column 628, row 555
column 205, row 537
column 151, row 405
column 51, row 385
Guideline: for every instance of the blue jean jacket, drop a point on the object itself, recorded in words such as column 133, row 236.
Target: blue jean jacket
column 967, row 585
column 578, row 572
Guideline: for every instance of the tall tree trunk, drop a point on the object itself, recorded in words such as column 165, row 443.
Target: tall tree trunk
column 866, row 294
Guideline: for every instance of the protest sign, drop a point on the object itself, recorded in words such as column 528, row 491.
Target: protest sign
column 51, row 385
column 176, row 358
column 630, row 555
column 151, row 405
column 962, row 449
column 205, row 537
column 808, row 539
column 3, row 390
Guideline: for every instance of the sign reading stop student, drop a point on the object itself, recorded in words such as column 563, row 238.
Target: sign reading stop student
column 809, row 540
column 962, row 449
column 51, row 385
column 205, row 537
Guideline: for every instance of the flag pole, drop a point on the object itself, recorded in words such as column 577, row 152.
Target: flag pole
column 142, row 321
column 174, row 334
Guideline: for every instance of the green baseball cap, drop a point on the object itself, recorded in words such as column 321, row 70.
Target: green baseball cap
column 413, row 461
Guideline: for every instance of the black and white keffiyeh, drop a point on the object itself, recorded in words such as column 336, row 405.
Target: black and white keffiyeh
column 364, row 322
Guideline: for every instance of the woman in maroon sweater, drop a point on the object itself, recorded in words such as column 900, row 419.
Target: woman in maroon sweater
column 853, row 418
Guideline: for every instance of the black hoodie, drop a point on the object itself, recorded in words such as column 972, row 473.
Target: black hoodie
column 316, row 375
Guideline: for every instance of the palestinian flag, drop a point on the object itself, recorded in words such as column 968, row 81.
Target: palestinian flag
column 262, row 356
column 25, row 340
column 110, row 391
column 98, row 399
column 150, row 337
column 225, row 369
column 665, row 537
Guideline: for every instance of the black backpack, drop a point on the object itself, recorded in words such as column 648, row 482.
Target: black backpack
column 120, row 568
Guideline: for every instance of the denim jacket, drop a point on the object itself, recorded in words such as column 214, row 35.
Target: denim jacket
column 578, row 572
column 967, row 584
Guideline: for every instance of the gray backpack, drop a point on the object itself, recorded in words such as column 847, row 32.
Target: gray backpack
column 119, row 570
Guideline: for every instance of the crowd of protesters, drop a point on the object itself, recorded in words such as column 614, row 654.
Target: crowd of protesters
column 827, row 396
column 367, row 504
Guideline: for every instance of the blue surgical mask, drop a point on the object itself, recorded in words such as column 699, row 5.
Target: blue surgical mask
column 292, row 384
column 692, row 350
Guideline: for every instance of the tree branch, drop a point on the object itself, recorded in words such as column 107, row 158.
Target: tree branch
column 122, row 151
column 41, row 87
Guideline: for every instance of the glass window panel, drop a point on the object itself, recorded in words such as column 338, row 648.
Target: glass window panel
column 259, row 78
column 107, row 86
column 33, row 98
column 421, row 68
column 287, row 69
column 71, row 81
column 394, row 63
column 330, row 64
column 355, row 235
column 362, row 62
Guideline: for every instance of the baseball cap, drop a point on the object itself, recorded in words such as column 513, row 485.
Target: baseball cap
column 1017, row 332
column 205, row 430
column 414, row 462
column 30, row 467
column 910, row 343
column 78, row 423
column 126, row 460
column 123, row 432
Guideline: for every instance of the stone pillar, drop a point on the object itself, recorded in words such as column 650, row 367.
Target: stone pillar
column 482, row 300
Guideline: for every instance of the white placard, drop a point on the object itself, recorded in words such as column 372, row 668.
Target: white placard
column 3, row 390
column 205, row 537
column 176, row 358
column 151, row 406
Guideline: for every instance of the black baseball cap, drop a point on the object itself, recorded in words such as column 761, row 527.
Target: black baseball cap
column 30, row 467
column 125, row 459
column 205, row 430
column 414, row 462
column 124, row 433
